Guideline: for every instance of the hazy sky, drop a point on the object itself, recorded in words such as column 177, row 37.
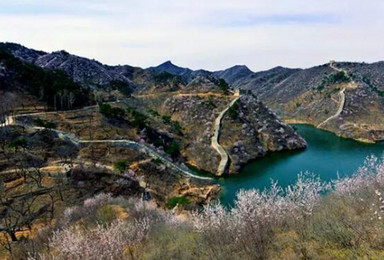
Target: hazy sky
column 209, row 34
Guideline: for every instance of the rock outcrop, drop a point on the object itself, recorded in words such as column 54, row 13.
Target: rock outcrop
column 250, row 131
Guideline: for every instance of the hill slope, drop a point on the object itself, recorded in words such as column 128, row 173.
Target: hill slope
column 314, row 95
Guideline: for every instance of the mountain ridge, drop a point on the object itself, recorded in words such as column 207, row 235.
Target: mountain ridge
column 297, row 95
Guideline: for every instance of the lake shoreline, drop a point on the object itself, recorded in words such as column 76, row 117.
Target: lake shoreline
column 301, row 122
column 327, row 156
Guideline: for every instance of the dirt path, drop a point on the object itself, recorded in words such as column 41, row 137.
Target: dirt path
column 215, row 140
column 350, row 85
column 339, row 110
column 178, row 94
column 10, row 120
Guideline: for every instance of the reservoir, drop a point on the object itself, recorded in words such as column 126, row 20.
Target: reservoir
column 327, row 155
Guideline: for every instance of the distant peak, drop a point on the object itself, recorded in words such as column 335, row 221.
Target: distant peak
column 279, row 68
column 241, row 67
column 169, row 67
column 168, row 62
column 63, row 52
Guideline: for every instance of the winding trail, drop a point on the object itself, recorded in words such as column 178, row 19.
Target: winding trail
column 11, row 120
column 215, row 139
column 341, row 95
column 339, row 110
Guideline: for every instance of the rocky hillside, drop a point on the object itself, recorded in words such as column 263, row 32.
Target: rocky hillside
column 81, row 70
column 345, row 98
column 23, row 85
column 249, row 130
column 185, row 73
column 173, row 104
column 234, row 74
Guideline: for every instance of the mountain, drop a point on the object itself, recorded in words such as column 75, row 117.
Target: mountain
column 178, row 94
column 21, row 52
column 345, row 98
column 169, row 67
column 185, row 73
column 23, row 84
column 82, row 70
column 234, row 74
column 264, row 79
column 342, row 97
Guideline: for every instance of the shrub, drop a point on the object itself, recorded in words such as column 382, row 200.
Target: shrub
column 105, row 215
column 223, row 85
column 154, row 113
column 233, row 111
column 121, row 166
column 163, row 77
column 210, row 103
column 175, row 124
column 173, row 149
column 157, row 161
column 18, row 142
column 44, row 123
column 121, row 86
column 339, row 77
column 168, row 242
column 138, row 118
column 182, row 201
column 111, row 112
column 166, row 119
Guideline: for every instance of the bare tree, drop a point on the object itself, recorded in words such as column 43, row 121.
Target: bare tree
column 37, row 176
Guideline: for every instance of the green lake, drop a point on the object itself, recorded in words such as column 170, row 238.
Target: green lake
column 327, row 155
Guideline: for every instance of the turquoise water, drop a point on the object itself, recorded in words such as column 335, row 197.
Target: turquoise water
column 327, row 155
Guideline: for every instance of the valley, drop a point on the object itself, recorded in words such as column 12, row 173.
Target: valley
column 73, row 129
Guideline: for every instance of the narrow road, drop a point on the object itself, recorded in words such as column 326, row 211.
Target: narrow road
column 178, row 94
column 339, row 110
column 215, row 140
column 332, row 66
column 151, row 152
column 341, row 95
column 10, row 120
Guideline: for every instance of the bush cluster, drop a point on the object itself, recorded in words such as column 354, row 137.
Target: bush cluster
column 139, row 119
column 223, row 85
column 175, row 124
column 111, row 112
column 44, row 123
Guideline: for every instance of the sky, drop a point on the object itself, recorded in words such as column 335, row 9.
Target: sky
column 209, row 34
